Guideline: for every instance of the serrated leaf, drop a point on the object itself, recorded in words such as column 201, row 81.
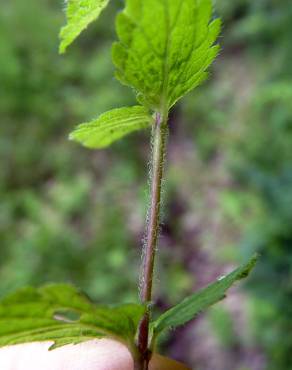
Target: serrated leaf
column 79, row 13
column 111, row 126
column 190, row 307
column 164, row 48
column 62, row 314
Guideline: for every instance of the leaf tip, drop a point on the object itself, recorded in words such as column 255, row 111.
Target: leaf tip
column 249, row 266
column 71, row 136
column 62, row 49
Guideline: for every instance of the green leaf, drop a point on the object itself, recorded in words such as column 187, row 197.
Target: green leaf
column 111, row 126
column 80, row 13
column 164, row 48
column 62, row 314
column 190, row 307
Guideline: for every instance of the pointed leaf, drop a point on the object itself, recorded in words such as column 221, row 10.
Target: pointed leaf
column 111, row 126
column 164, row 48
column 60, row 313
column 190, row 307
column 80, row 13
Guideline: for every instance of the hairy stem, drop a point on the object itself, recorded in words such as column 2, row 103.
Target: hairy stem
column 159, row 139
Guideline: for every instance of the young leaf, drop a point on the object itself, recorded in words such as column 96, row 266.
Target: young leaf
column 190, row 307
column 80, row 13
column 164, row 48
column 111, row 126
column 60, row 313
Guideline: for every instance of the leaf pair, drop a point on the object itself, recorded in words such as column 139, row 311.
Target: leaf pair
column 63, row 315
column 164, row 49
column 163, row 52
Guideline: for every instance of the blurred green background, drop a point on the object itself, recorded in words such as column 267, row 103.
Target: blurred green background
column 68, row 214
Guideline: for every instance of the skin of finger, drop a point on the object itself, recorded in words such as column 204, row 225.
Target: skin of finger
column 103, row 354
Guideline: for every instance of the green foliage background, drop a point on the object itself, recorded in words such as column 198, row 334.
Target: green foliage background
column 68, row 214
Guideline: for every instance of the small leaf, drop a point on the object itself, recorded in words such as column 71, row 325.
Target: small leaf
column 80, row 13
column 60, row 313
column 111, row 126
column 190, row 307
column 164, row 48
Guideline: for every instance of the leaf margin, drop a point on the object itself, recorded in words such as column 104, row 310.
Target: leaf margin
column 28, row 315
column 168, row 319
column 78, row 22
column 119, row 122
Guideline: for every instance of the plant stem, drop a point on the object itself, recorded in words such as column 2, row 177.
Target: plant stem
column 159, row 140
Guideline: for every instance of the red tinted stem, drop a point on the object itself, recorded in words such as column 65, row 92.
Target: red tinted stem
column 159, row 141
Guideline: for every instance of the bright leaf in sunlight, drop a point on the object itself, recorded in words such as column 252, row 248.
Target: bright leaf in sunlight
column 165, row 54
column 79, row 13
column 111, row 126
